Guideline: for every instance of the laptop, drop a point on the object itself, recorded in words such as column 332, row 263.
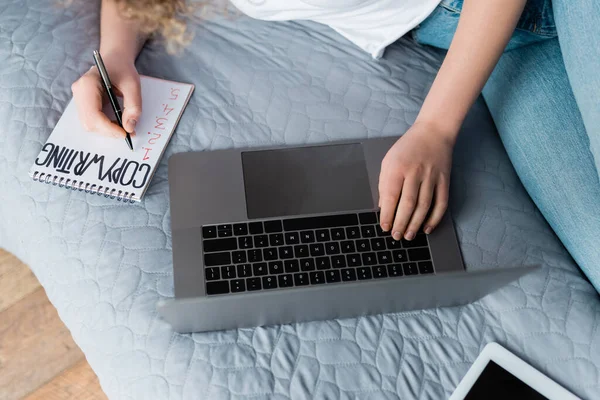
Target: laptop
column 267, row 236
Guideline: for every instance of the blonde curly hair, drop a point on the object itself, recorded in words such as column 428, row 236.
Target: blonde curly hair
column 168, row 19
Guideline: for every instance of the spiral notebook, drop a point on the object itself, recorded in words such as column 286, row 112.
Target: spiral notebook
column 85, row 161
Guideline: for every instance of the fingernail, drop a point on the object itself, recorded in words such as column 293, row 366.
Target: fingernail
column 397, row 236
column 427, row 230
column 131, row 123
column 410, row 235
column 385, row 227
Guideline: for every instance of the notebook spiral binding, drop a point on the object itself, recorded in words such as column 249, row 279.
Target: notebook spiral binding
column 81, row 186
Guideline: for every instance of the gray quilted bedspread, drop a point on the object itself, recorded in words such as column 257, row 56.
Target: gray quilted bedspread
column 104, row 264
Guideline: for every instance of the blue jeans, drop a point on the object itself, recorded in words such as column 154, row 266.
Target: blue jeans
column 544, row 96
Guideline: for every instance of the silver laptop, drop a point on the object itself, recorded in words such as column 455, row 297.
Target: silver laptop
column 281, row 235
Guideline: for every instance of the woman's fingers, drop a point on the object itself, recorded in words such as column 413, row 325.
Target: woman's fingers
column 132, row 102
column 439, row 206
column 421, row 210
column 87, row 92
column 408, row 201
column 389, row 192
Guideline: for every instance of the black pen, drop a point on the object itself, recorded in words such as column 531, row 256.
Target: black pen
column 111, row 95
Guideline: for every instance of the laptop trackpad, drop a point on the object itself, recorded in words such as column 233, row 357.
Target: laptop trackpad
column 306, row 180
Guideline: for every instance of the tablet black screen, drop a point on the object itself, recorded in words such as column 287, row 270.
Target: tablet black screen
column 497, row 383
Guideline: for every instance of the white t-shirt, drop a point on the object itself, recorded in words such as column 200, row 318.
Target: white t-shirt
column 370, row 24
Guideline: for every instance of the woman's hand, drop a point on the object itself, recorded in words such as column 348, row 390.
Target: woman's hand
column 415, row 175
column 90, row 95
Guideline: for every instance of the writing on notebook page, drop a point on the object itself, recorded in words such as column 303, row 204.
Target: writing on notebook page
column 64, row 160
column 161, row 121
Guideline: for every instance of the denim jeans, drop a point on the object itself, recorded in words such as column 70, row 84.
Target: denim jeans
column 544, row 96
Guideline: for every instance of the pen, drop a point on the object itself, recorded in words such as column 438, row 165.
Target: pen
column 111, row 95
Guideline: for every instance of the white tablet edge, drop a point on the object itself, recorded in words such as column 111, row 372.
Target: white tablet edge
column 519, row 368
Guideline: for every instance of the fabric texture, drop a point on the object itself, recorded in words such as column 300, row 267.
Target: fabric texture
column 547, row 135
column 370, row 24
column 104, row 264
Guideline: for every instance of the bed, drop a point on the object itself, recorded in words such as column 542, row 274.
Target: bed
column 104, row 264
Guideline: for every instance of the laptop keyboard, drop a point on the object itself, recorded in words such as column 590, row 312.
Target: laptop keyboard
column 296, row 252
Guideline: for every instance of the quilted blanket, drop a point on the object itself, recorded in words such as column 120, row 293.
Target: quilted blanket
column 105, row 264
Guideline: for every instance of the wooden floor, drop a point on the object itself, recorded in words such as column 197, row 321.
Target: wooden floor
column 38, row 358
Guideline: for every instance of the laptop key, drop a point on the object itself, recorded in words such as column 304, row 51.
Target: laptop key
column 317, row 277
column 419, row 254
column 253, row 284
column 332, row 248
column 367, row 218
column 338, row 261
column 380, row 232
column 239, row 257
column 352, row 232
column 353, row 260
column 276, row 239
column 322, row 263
column 338, row 234
column 228, row 272
column 410, row 268
column 425, row 267
column 363, row 245
column 286, row 252
column 307, row 236
column 348, row 246
column 399, row 255
column 393, row 244
column 292, row 238
column 212, row 259
column 245, row 242
column 224, row 227
column 378, row 244
column 212, row 274
column 323, row 235
column 328, row 221
column 259, row 269
column 269, row 282
column 368, row 231
column 395, row 270
column 255, row 228
column 419, row 241
column 384, row 257
column 209, row 232
column 270, row 254
column 301, row 279
column 301, row 251
column 379, row 271
column 291, row 266
column 217, row 287
column 238, row 285
column 254, row 256
column 307, row 264
column 214, row 245
column 285, row 280
column 276, row 267
column 317, row 249
column 225, row 233
column 273, row 226
column 261, row 241
column 332, row 276
column 240, row 230
column 244, row 270
column 348, row 274
column 364, row 273
column 369, row 259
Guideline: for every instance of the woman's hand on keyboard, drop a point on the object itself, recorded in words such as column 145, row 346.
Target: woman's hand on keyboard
column 414, row 178
column 90, row 96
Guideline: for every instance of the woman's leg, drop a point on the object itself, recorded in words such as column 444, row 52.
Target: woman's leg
column 578, row 26
column 537, row 116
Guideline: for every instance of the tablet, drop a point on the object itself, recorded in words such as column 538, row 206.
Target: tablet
column 499, row 374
